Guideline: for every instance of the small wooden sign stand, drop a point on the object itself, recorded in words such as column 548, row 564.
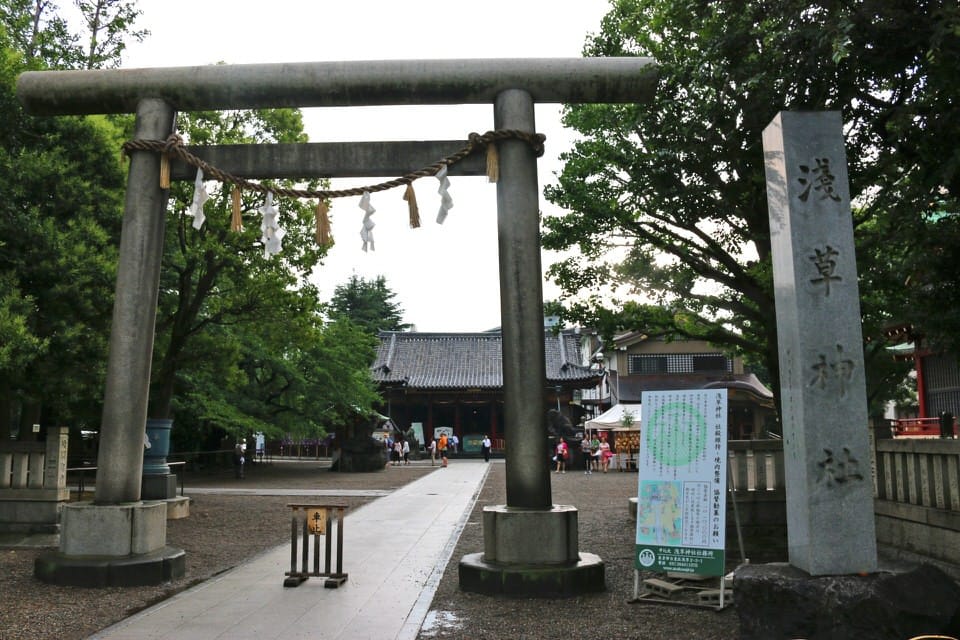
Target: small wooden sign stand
column 316, row 520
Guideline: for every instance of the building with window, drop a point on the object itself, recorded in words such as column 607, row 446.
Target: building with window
column 633, row 363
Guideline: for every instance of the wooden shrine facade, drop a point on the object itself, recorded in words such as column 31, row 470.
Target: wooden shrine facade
column 455, row 380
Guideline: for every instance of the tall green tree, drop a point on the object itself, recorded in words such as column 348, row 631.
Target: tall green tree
column 109, row 27
column 41, row 33
column 369, row 304
column 241, row 342
column 60, row 210
column 667, row 199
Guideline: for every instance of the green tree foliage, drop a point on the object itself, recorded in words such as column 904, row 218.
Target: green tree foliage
column 109, row 25
column 60, row 210
column 241, row 345
column 369, row 304
column 40, row 34
column 39, row 31
column 667, row 199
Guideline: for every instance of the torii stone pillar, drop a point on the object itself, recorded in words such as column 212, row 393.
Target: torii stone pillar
column 120, row 540
column 531, row 545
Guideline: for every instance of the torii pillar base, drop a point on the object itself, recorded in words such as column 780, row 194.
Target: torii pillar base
column 117, row 545
column 531, row 553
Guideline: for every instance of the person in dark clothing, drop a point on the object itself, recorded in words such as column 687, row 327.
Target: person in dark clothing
column 238, row 459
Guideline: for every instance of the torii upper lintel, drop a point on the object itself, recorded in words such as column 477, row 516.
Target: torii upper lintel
column 338, row 84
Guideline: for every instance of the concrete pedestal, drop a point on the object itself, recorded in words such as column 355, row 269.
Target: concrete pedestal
column 158, row 486
column 531, row 553
column 178, row 507
column 112, row 545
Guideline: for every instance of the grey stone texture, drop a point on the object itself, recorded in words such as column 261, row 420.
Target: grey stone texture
column 338, row 84
column 113, row 530
column 781, row 601
column 586, row 575
column 156, row 486
column 823, row 392
column 159, row 566
column 530, row 536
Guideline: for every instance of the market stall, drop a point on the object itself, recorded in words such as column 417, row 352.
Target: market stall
column 621, row 423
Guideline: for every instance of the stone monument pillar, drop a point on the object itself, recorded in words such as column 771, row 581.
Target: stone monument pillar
column 830, row 520
column 832, row 586
column 531, row 546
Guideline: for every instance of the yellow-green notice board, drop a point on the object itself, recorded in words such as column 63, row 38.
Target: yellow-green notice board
column 681, row 496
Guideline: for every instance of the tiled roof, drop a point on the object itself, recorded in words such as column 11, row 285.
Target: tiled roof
column 469, row 360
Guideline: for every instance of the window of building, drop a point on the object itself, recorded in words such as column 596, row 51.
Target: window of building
column 646, row 364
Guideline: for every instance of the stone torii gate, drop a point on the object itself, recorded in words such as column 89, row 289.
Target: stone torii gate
column 530, row 544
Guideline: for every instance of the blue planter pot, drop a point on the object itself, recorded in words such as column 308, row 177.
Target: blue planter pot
column 155, row 458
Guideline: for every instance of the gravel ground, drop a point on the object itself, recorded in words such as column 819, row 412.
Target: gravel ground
column 223, row 531
column 605, row 529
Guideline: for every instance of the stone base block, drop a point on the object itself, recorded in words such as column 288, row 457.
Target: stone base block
column 587, row 575
column 152, row 568
column 530, row 536
column 117, row 530
column 178, row 508
column 30, row 516
column 780, row 601
column 158, row 486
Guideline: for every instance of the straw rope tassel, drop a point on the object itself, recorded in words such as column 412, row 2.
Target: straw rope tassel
column 164, row 171
column 411, row 197
column 493, row 163
column 323, row 224
column 236, row 222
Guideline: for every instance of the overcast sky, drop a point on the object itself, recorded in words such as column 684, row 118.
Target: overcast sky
column 445, row 276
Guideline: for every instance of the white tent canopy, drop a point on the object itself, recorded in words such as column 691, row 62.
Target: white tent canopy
column 613, row 417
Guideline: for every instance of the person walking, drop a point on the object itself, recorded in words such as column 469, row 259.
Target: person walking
column 485, row 446
column 454, row 444
column 561, row 456
column 239, row 459
column 442, row 446
column 433, row 451
column 605, row 454
column 397, row 451
column 595, row 452
column 406, row 452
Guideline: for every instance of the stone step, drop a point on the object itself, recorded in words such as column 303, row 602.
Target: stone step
column 661, row 587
